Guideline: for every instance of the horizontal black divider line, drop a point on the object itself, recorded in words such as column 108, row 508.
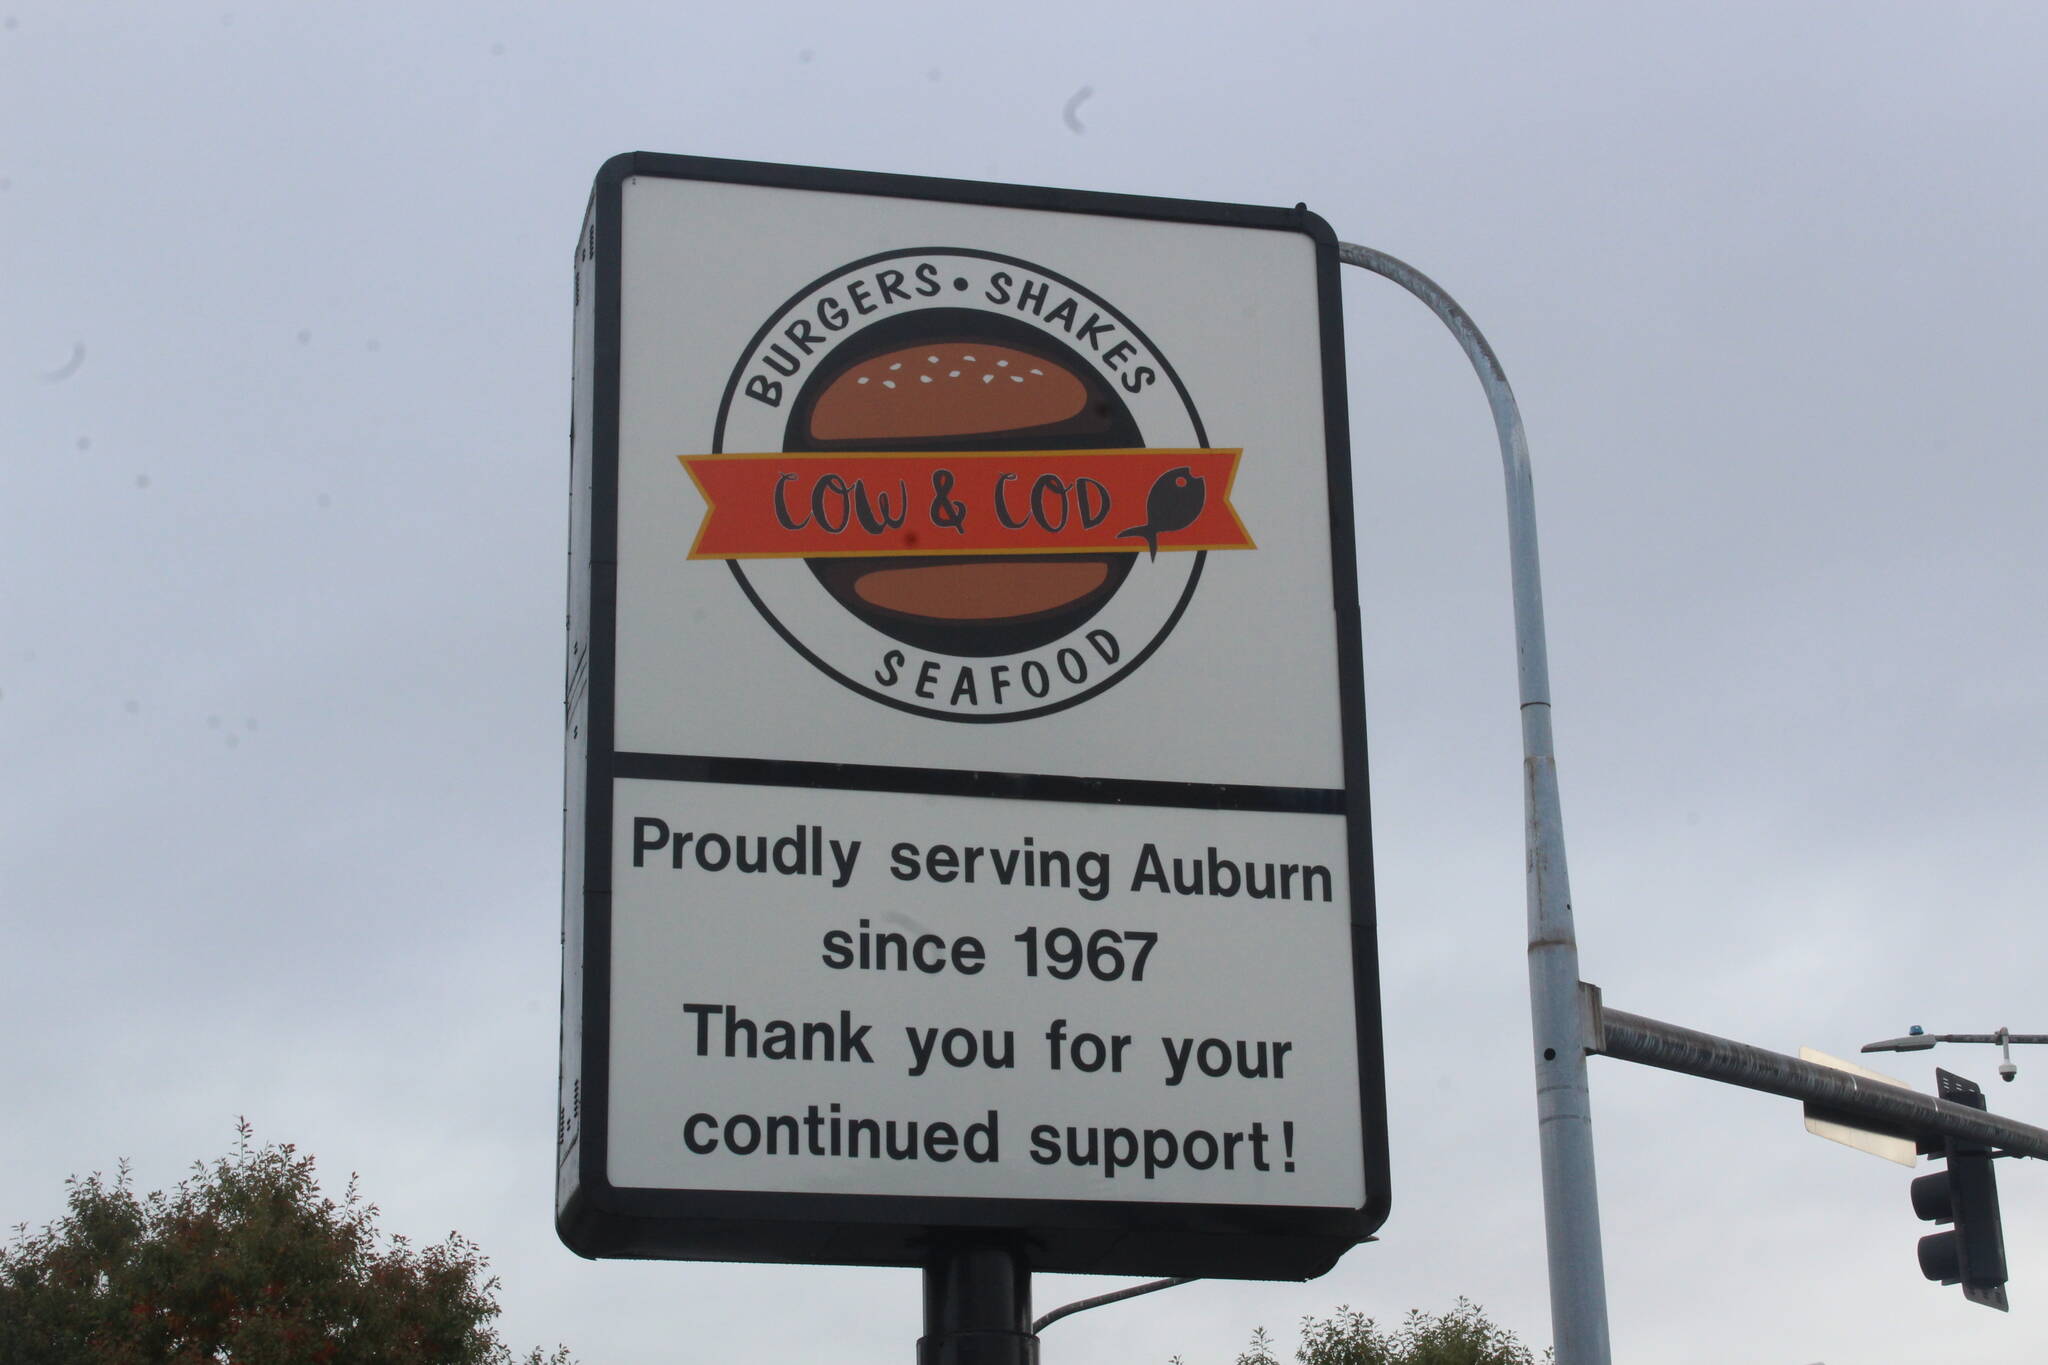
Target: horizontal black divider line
column 1117, row 791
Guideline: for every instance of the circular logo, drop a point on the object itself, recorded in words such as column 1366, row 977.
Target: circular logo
column 969, row 473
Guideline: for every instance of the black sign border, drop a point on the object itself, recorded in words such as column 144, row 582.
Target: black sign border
column 596, row 1218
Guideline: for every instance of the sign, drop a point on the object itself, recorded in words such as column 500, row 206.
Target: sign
column 966, row 813
column 1820, row 1122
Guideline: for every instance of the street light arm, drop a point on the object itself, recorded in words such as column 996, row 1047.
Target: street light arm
column 1530, row 640
column 1114, row 1296
column 2001, row 1037
column 1920, row 1042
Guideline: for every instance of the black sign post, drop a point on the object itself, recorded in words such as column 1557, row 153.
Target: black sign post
column 977, row 1306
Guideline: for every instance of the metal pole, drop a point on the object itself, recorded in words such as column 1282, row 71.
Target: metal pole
column 977, row 1307
column 1564, row 1117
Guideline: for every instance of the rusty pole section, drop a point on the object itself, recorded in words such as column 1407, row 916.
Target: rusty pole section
column 1564, row 1116
column 1874, row 1104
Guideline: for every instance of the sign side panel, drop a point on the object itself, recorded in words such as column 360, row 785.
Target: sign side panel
column 584, row 1209
column 576, row 726
column 1372, row 1081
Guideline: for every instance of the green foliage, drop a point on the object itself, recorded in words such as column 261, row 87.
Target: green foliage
column 1260, row 1352
column 1462, row 1336
column 245, row 1263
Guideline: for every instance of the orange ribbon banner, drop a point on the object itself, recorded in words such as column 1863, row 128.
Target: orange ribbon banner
column 811, row 505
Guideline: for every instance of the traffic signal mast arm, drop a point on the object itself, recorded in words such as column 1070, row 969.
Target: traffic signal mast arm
column 1892, row 1108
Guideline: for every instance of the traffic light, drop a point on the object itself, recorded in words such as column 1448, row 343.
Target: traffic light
column 1972, row 1252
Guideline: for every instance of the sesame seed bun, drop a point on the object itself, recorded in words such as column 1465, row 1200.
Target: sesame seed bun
column 957, row 379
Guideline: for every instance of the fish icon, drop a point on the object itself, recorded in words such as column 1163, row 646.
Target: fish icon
column 1175, row 501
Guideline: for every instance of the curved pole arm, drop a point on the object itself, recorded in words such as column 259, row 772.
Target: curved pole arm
column 1115, row 1296
column 1571, row 1210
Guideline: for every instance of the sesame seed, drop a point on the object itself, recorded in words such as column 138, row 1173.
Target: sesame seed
column 952, row 374
column 862, row 380
column 1016, row 379
column 897, row 366
column 1000, row 364
column 888, row 383
column 988, row 379
column 924, row 379
column 931, row 360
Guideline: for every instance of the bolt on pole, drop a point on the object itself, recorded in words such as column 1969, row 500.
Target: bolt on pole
column 1571, row 1206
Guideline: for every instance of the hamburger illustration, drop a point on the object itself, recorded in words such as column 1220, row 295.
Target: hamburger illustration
column 950, row 379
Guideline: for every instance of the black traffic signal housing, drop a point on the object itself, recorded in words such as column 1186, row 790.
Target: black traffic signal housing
column 1972, row 1252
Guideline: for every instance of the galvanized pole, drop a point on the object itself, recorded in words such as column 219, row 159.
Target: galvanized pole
column 1571, row 1206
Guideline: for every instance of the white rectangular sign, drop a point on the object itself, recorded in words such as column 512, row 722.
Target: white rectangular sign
column 822, row 990
column 967, row 823
column 861, row 652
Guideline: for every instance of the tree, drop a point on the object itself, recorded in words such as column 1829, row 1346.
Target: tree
column 245, row 1263
column 1462, row 1336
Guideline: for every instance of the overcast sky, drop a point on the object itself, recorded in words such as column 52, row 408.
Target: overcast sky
column 284, row 362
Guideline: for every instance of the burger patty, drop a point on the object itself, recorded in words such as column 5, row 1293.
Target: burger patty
column 983, row 383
